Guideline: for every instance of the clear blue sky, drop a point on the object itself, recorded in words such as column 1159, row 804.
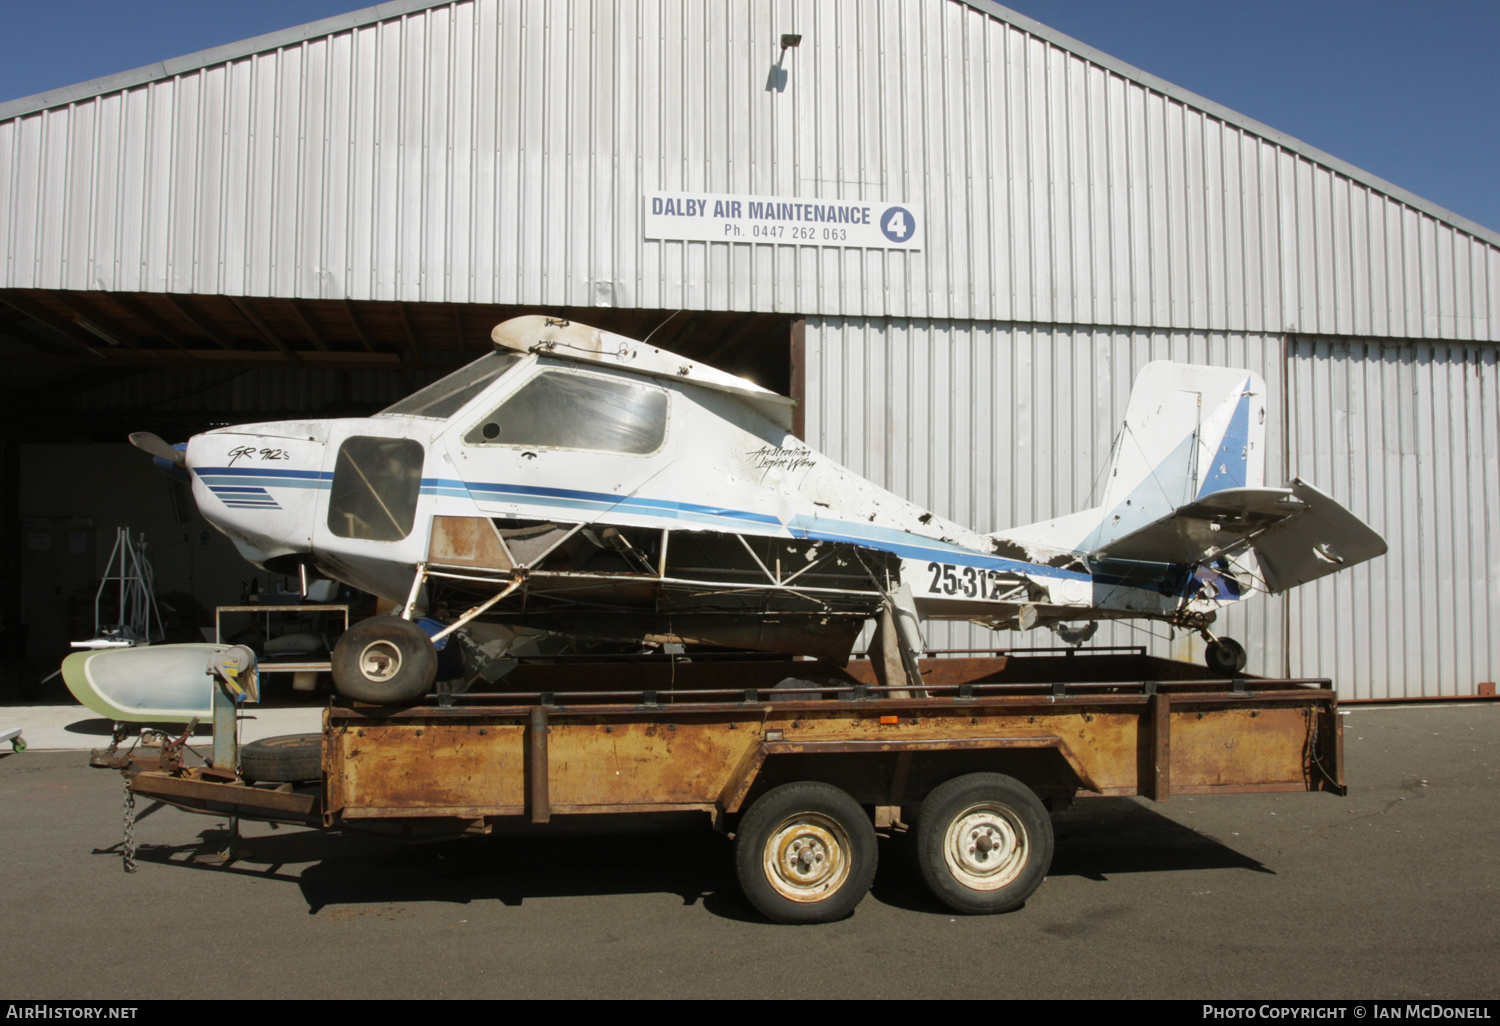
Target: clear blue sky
column 1406, row 89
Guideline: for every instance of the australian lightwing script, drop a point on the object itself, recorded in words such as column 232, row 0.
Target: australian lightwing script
column 770, row 457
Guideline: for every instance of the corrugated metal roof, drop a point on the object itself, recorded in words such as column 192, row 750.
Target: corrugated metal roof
column 498, row 151
column 1231, row 117
column 65, row 95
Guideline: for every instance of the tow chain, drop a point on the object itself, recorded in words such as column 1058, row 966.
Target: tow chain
column 170, row 750
column 127, row 850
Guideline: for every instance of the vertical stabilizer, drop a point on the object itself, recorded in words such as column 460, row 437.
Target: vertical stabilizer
column 1189, row 431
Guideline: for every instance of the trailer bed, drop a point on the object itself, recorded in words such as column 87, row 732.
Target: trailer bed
column 716, row 737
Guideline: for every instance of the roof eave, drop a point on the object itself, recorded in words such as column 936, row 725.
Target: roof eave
column 64, row 95
column 1232, row 117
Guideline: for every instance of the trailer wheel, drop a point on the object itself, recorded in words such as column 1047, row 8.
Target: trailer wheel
column 384, row 660
column 1225, row 656
column 805, row 853
column 289, row 759
column 984, row 843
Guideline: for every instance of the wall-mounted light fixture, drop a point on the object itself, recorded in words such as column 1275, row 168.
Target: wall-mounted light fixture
column 776, row 80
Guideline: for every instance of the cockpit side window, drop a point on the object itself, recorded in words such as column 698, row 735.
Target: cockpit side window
column 446, row 396
column 562, row 410
column 376, row 482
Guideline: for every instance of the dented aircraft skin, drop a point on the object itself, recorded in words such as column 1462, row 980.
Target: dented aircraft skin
column 613, row 489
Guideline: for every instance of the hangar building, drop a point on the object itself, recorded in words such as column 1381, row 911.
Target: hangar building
column 319, row 220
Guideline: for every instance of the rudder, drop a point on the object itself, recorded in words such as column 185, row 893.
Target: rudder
column 1189, row 431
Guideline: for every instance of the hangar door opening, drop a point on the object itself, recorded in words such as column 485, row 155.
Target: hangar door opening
column 177, row 365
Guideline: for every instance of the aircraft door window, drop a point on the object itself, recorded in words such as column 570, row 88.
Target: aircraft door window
column 560, row 410
column 376, row 482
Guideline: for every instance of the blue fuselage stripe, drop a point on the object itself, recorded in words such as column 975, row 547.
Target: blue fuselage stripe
column 275, row 474
column 589, row 500
column 228, row 480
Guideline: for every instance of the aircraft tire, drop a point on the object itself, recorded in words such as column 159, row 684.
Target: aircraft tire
column 384, row 660
column 1225, row 656
column 805, row 853
column 984, row 843
column 288, row 759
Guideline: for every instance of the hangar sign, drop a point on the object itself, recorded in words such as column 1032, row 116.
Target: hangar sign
column 783, row 220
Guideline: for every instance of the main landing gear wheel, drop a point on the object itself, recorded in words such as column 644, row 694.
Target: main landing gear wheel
column 805, row 853
column 384, row 660
column 984, row 843
column 1225, row 656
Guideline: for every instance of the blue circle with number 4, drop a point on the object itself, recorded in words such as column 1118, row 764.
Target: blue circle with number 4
column 897, row 224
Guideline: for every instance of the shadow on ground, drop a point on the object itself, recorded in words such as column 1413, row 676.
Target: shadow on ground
column 696, row 867
column 1095, row 839
column 1103, row 836
column 100, row 727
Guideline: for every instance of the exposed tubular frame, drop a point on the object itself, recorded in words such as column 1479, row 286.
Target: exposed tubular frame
column 771, row 581
column 426, row 571
column 774, row 582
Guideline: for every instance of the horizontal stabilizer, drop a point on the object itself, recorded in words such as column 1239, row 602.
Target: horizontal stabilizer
column 1297, row 533
column 1320, row 540
column 1200, row 530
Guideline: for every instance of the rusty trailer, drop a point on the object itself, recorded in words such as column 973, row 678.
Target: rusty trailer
column 800, row 762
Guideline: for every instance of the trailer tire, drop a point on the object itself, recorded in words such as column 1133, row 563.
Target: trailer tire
column 805, row 853
column 384, row 660
column 288, row 759
column 984, row 843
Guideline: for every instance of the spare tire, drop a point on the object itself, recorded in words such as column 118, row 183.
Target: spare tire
column 289, row 759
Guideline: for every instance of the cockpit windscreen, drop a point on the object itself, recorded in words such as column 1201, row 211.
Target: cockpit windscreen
column 446, row 396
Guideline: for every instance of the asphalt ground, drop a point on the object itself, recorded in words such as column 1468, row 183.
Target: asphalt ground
column 1392, row 892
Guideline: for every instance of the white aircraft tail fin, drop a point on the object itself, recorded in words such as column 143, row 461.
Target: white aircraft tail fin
column 1189, row 432
column 1187, row 485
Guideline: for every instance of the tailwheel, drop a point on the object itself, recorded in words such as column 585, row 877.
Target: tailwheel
column 1225, row 656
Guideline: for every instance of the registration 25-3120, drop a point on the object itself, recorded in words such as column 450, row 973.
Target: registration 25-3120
column 968, row 581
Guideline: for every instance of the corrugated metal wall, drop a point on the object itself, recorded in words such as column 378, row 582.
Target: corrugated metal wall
column 997, row 425
column 1408, row 437
column 496, row 151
